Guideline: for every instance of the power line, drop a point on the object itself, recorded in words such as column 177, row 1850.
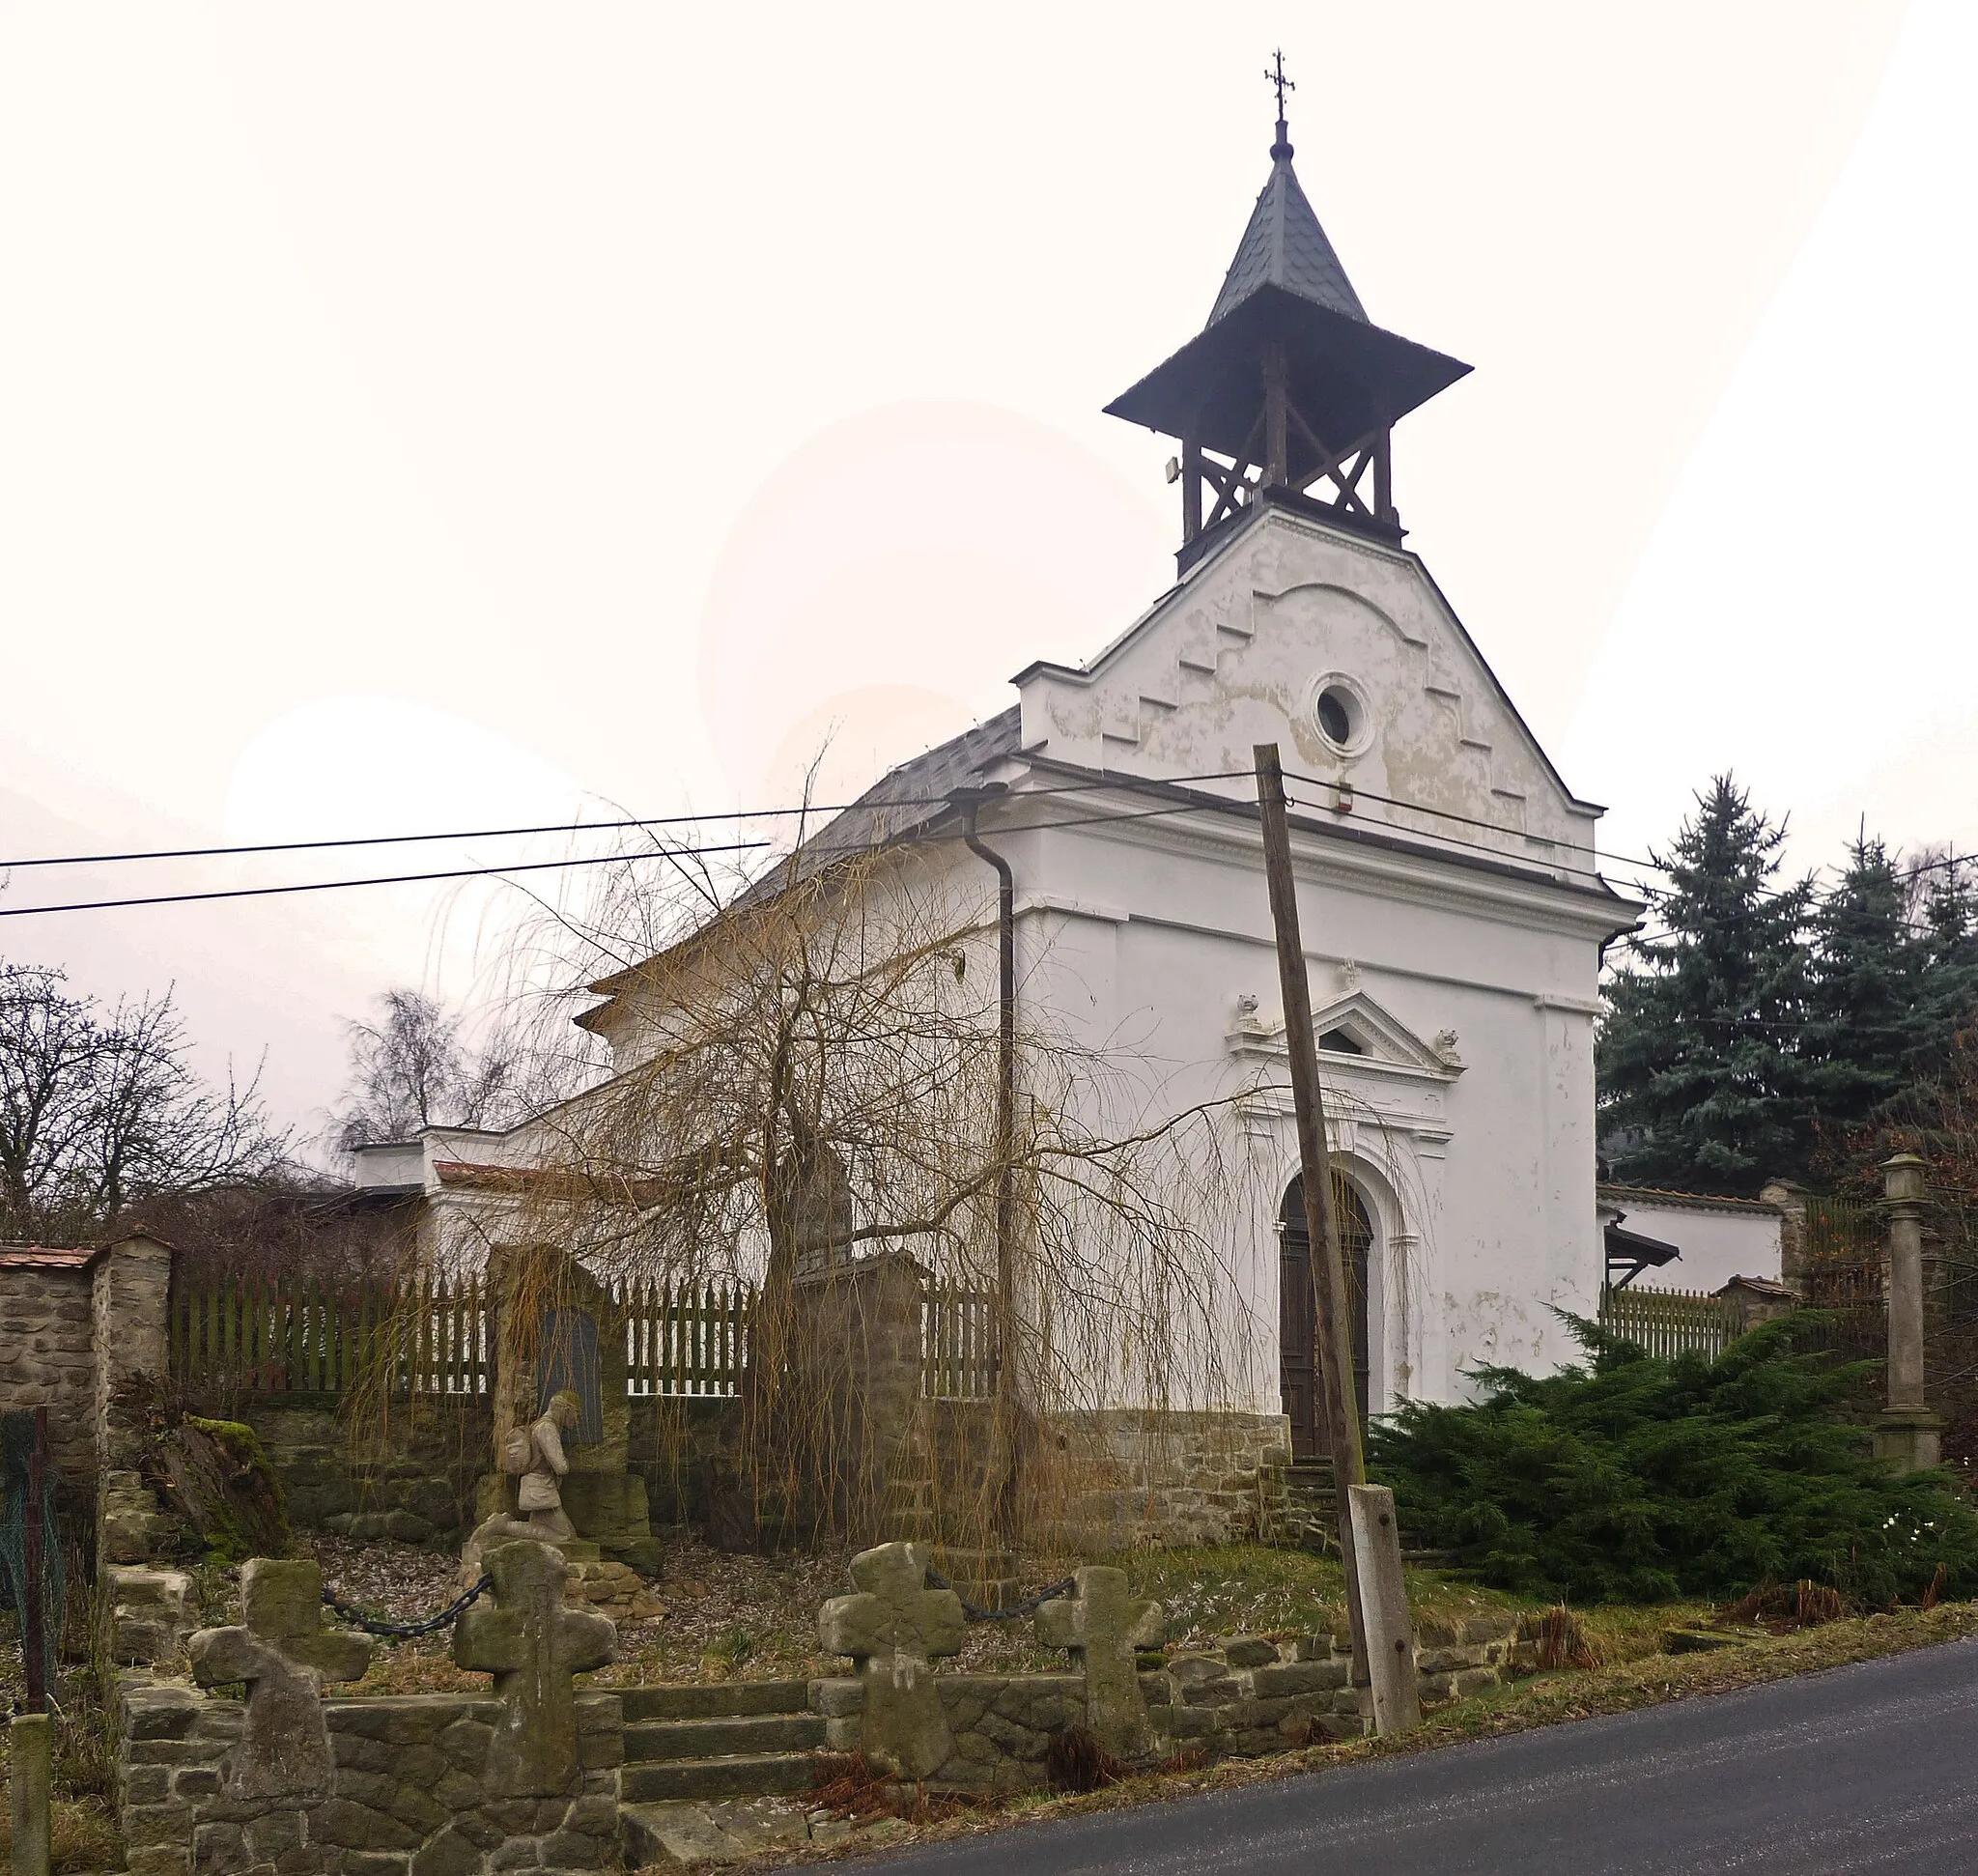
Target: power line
column 579, row 827
column 391, row 879
column 810, row 850
column 396, row 839
column 1468, row 846
column 589, row 860
column 1355, row 792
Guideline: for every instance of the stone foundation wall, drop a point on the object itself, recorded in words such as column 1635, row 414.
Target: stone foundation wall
column 1131, row 1476
column 408, row 1798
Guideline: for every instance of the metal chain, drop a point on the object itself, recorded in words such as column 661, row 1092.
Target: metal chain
column 971, row 1612
column 373, row 1625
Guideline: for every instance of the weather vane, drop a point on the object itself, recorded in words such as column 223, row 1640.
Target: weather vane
column 1274, row 73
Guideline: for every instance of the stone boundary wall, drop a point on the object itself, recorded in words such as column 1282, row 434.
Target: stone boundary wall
column 49, row 1358
column 1248, row 1696
column 75, row 1325
column 409, row 1795
column 677, row 1443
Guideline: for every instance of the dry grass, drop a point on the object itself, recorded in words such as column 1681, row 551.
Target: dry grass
column 82, row 1827
column 82, row 1836
column 1227, row 1590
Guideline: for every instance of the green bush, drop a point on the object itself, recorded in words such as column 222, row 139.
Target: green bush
column 1635, row 1479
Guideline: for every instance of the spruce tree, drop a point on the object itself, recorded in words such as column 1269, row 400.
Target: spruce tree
column 1948, row 943
column 1867, row 1024
column 1702, row 1085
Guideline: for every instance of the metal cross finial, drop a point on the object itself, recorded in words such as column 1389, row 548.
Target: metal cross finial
column 1274, row 73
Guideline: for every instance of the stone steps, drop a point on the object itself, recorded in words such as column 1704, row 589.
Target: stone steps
column 740, row 1774
column 719, row 1700
column 1311, row 1514
column 674, row 1740
column 735, row 1739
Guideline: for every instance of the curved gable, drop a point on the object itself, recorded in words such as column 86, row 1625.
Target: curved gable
column 1240, row 653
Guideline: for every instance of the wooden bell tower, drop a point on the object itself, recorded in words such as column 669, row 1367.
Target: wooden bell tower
column 1290, row 393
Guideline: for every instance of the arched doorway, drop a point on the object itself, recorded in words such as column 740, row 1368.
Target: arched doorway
column 1297, row 1339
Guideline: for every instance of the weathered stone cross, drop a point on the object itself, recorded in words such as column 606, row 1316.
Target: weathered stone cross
column 893, row 1628
column 532, row 1645
column 1102, row 1625
column 284, row 1654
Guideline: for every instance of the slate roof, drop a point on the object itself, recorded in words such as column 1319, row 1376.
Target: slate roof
column 900, row 803
column 1284, row 246
column 917, row 792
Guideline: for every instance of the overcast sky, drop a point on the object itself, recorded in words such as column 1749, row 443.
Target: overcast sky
column 416, row 416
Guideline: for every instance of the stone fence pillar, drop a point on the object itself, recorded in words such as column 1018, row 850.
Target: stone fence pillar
column 148, row 1611
column 856, row 1354
column 1908, row 1434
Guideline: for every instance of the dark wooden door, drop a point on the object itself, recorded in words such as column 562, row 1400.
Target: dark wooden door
column 1298, row 1337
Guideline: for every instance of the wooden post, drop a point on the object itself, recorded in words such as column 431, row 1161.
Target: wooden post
column 1277, row 397
column 31, row 1757
column 1334, row 1318
column 1191, row 489
column 1384, row 1598
column 34, row 1637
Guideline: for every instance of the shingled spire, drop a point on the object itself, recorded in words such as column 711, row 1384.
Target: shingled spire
column 1284, row 246
column 1291, row 392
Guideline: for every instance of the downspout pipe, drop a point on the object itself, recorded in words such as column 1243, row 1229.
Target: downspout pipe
column 967, row 802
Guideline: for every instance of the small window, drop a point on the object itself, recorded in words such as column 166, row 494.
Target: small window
column 1339, row 1042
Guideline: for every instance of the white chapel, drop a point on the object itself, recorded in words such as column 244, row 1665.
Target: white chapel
column 1452, row 907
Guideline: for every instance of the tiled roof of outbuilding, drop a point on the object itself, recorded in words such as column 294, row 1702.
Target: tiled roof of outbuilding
column 48, row 1257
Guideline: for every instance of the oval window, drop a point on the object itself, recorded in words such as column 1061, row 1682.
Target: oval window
column 1338, row 715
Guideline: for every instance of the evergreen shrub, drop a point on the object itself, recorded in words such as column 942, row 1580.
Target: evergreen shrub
column 1636, row 1479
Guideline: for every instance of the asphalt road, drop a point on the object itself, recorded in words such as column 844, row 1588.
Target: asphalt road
column 1865, row 1768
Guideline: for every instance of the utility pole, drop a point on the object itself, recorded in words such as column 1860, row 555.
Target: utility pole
column 1334, row 1320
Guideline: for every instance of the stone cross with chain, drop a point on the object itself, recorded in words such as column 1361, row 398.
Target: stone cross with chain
column 284, row 1653
column 893, row 1628
column 1102, row 1624
column 532, row 1645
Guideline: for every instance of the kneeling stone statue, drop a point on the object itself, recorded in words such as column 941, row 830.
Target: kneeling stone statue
column 535, row 1454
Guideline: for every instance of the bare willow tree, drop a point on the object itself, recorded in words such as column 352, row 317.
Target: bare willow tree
column 807, row 1075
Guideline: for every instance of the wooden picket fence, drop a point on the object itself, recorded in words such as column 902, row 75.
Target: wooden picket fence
column 1669, row 1323
column 958, row 1343
column 686, row 1337
column 282, row 1334
column 264, row 1333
